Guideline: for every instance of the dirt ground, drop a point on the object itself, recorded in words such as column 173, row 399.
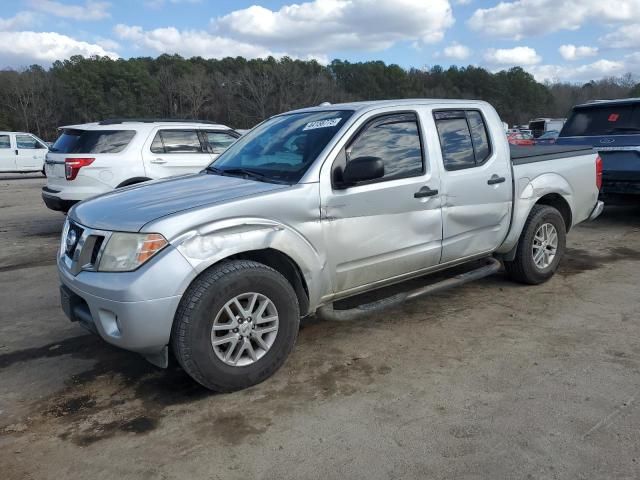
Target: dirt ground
column 488, row 381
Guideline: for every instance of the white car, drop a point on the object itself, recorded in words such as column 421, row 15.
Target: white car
column 21, row 152
column 94, row 158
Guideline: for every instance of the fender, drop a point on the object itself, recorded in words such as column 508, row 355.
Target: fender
column 213, row 242
column 528, row 193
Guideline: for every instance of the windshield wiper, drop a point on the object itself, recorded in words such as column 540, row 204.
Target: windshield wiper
column 244, row 172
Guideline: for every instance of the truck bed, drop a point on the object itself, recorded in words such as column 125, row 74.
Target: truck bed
column 541, row 153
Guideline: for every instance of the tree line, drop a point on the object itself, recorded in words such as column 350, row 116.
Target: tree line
column 240, row 92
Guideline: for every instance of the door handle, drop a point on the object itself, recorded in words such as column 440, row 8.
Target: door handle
column 425, row 192
column 495, row 179
column 158, row 161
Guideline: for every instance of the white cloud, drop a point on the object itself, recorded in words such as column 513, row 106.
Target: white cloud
column 107, row 43
column 188, row 43
column 627, row 36
column 512, row 56
column 320, row 26
column 592, row 71
column 571, row 52
column 522, row 18
column 19, row 21
column 91, row 10
column 457, row 51
column 24, row 48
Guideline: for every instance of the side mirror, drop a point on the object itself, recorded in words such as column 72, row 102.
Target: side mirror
column 362, row 169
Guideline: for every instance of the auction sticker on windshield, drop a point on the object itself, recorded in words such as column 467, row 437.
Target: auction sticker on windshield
column 332, row 122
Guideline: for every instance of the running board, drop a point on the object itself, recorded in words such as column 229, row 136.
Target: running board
column 327, row 312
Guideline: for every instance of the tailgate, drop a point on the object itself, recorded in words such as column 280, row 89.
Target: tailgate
column 54, row 168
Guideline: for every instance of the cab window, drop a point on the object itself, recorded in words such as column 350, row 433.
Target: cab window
column 176, row 141
column 464, row 140
column 393, row 138
column 218, row 141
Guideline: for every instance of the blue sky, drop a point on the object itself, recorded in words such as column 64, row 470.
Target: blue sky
column 574, row 40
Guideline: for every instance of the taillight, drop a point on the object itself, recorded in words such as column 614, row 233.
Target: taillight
column 598, row 172
column 73, row 165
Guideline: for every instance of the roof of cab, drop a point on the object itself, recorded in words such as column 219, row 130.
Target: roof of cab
column 375, row 104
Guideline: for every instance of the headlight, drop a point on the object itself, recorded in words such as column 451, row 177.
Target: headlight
column 127, row 251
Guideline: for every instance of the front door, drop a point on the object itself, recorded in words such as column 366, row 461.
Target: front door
column 7, row 154
column 31, row 153
column 476, row 185
column 386, row 228
column 175, row 151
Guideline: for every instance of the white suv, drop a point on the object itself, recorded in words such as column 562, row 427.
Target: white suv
column 21, row 152
column 94, row 158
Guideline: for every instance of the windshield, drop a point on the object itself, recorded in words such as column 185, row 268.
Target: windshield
column 599, row 120
column 283, row 148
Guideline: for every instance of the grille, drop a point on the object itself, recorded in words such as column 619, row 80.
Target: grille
column 74, row 232
column 82, row 247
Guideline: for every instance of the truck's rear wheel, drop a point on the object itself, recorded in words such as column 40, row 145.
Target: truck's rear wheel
column 236, row 325
column 540, row 248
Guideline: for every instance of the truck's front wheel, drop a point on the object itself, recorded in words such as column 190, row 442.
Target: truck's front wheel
column 540, row 248
column 236, row 325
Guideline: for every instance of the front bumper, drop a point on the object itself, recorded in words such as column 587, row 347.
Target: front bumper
column 131, row 310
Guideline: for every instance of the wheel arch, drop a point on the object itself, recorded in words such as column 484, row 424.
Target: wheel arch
column 558, row 202
column 132, row 181
column 284, row 265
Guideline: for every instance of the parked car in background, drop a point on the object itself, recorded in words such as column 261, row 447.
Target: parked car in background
column 90, row 159
column 310, row 207
column 21, row 152
column 612, row 128
column 523, row 139
column 540, row 126
column 548, row 138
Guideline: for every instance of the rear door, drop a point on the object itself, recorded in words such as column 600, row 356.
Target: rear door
column 174, row 151
column 31, row 152
column 217, row 141
column 476, row 185
column 7, row 154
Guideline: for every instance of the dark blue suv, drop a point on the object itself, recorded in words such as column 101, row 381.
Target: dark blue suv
column 612, row 127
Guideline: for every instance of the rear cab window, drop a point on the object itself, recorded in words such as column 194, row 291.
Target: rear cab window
column 92, row 141
column 464, row 139
column 5, row 141
column 599, row 120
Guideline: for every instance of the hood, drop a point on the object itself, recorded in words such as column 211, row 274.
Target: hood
column 129, row 209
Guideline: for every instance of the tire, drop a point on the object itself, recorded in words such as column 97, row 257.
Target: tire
column 205, row 302
column 523, row 268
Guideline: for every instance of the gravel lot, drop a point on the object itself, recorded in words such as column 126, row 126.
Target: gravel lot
column 489, row 381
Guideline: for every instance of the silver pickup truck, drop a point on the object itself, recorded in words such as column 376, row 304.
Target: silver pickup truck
column 308, row 209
